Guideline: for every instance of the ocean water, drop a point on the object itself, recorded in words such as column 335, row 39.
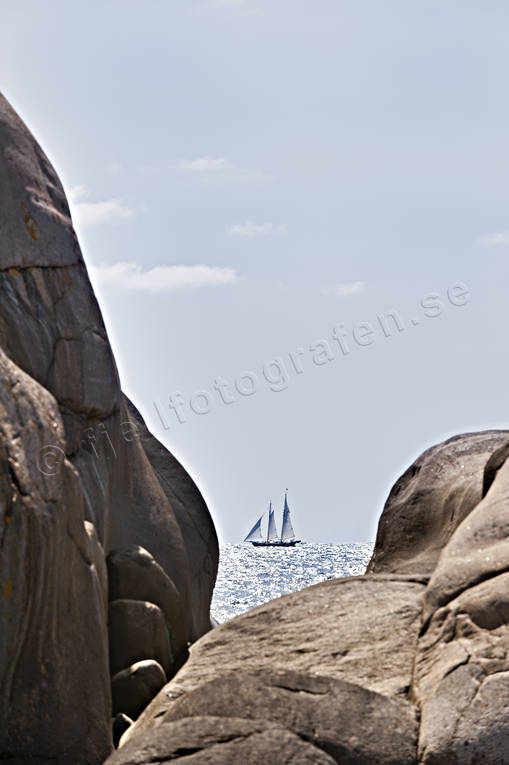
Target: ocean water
column 249, row 576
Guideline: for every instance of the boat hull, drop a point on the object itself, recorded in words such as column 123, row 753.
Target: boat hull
column 291, row 543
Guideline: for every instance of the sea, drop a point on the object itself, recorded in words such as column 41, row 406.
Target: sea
column 249, row 576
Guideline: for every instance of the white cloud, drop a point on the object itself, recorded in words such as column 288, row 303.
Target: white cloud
column 211, row 171
column 230, row 3
column 204, row 164
column 246, row 7
column 342, row 290
column 130, row 276
column 502, row 237
column 76, row 193
column 115, row 168
column 86, row 214
column 251, row 229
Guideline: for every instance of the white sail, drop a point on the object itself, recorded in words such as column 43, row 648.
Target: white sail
column 287, row 532
column 272, row 535
column 255, row 535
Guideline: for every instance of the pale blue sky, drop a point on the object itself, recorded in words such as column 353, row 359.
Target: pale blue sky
column 247, row 175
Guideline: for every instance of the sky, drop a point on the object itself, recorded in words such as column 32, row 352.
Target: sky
column 296, row 219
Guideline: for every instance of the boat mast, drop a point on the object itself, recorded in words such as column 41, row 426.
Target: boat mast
column 287, row 532
column 272, row 535
column 284, row 515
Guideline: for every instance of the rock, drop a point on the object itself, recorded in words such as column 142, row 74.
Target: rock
column 137, row 631
column 192, row 563
column 54, row 645
column 134, row 687
column 362, row 629
column 225, row 741
column 133, row 574
column 466, row 722
column 73, row 450
column 430, row 500
column 434, row 640
column 495, row 462
column 135, row 491
column 479, row 548
column 120, row 724
column 348, row 722
column 461, row 680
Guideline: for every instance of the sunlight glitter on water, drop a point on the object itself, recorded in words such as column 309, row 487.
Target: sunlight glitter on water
column 249, row 576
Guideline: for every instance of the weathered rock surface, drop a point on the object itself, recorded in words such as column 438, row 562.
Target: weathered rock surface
column 347, row 721
column 428, row 642
column 225, row 741
column 134, row 687
column 53, row 604
column 183, row 500
column 362, row 629
column 73, row 450
column 169, row 518
column 133, row 574
column 478, row 550
column 430, row 500
column 137, row 631
column 462, row 665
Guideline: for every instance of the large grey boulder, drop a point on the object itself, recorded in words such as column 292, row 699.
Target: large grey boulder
column 91, row 460
column 220, row 741
column 478, row 550
column 461, row 681
column 166, row 515
column 137, row 631
column 135, row 491
column 182, row 499
column 363, row 630
column 430, row 500
column 348, row 722
column 54, row 643
column 134, row 574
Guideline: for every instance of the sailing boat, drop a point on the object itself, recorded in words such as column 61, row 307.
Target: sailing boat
column 287, row 538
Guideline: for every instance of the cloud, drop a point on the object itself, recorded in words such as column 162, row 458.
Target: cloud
column 114, row 168
column 130, row 276
column 229, row 4
column 246, row 7
column 204, row 164
column 76, row 193
column 209, row 171
column 250, row 229
column 86, row 214
column 494, row 240
column 342, row 290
